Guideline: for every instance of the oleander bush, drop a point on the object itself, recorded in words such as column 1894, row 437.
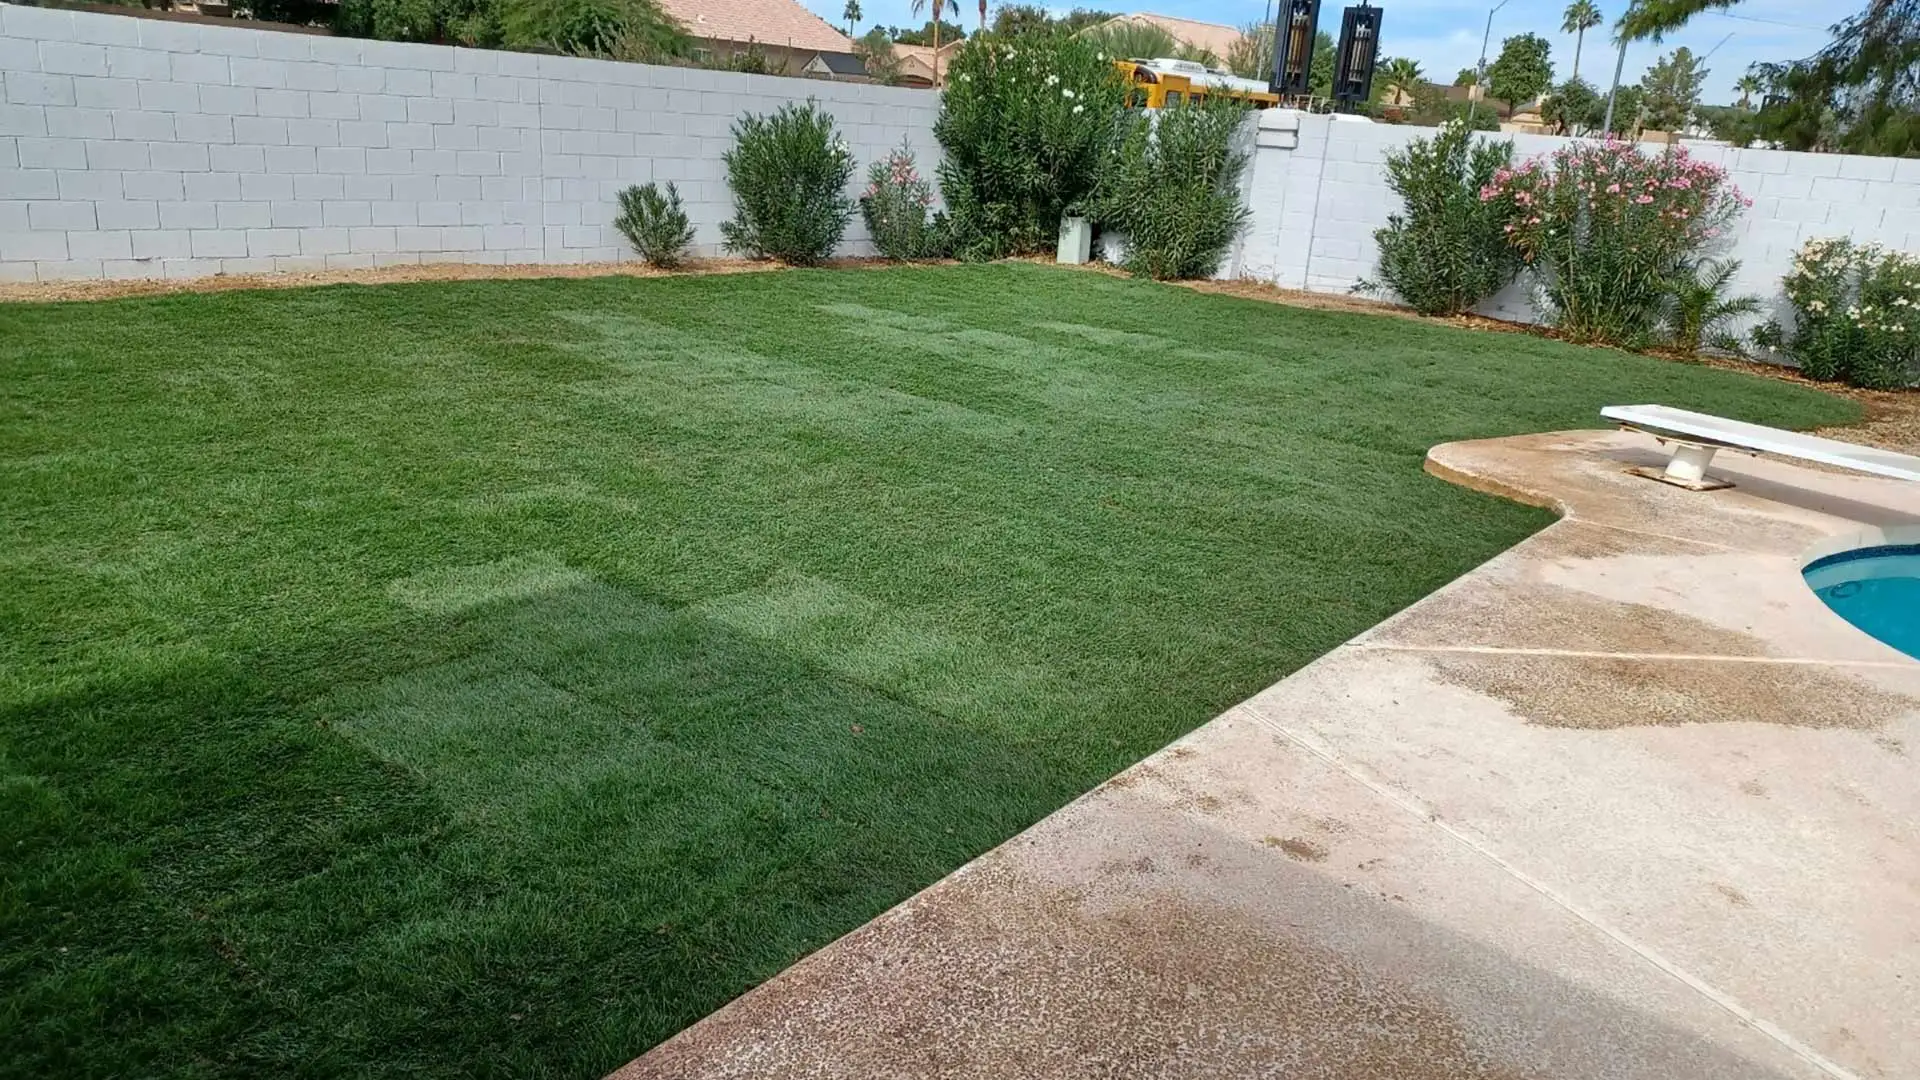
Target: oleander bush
column 1446, row 250
column 1173, row 189
column 1026, row 123
column 789, row 173
column 1608, row 231
column 1856, row 314
column 897, row 206
column 655, row 223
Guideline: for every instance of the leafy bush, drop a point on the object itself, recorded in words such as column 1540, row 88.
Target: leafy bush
column 1134, row 39
column 633, row 29
column 1446, row 251
column 1432, row 109
column 1699, row 308
column 1026, row 122
column 1174, row 189
column 655, row 224
column 1609, row 230
column 418, row 20
column 1856, row 314
column 895, row 207
column 789, row 174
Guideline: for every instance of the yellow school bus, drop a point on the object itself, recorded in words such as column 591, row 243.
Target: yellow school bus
column 1154, row 84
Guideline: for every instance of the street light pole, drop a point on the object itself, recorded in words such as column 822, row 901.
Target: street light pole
column 1474, row 102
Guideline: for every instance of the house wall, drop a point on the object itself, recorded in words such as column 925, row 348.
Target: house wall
column 1317, row 187
column 147, row 148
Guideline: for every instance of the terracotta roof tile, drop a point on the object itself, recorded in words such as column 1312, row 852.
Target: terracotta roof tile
column 769, row 22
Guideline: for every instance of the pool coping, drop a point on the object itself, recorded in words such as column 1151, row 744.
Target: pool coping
column 1454, row 846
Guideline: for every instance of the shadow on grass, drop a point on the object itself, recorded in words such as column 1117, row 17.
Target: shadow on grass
column 532, row 839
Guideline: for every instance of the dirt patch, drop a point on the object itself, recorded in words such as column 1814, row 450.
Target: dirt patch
column 1298, row 848
column 1605, row 693
column 1521, row 615
column 47, row 291
column 1732, row 895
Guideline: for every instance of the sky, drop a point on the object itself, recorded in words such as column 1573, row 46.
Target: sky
column 1444, row 35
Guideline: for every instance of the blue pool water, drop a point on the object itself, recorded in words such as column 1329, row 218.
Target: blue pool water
column 1876, row 589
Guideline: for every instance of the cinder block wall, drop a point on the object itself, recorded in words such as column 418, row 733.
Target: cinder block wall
column 1318, row 190
column 135, row 147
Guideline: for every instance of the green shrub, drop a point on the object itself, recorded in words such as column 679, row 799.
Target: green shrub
column 1025, row 122
column 1699, row 308
column 789, row 174
column 630, row 29
column 1856, row 314
column 896, row 206
column 1610, row 230
column 415, row 20
column 655, row 224
column 1174, row 189
column 1446, row 250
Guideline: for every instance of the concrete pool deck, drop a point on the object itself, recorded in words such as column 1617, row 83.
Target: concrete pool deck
column 1627, row 801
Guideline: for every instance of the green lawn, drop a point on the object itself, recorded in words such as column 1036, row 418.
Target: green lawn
column 492, row 678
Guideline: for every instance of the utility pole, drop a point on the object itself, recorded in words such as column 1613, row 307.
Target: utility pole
column 1473, row 102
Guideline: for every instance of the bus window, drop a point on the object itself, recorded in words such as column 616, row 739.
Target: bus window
column 1136, row 98
column 1175, row 97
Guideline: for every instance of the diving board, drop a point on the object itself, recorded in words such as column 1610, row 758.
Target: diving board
column 1695, row 437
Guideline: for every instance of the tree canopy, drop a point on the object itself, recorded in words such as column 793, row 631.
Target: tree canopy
column 1671, row 89
column 1523, row 71
column 1859, row 95
column 949, row 32
column 1010, row 20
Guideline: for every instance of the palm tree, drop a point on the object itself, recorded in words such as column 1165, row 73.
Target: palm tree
column 1401, row 74
column 852, row 14
column 918, row 6
column 983, row 16
column 1581, row 16
column 1748, row 85
column 1133, row 40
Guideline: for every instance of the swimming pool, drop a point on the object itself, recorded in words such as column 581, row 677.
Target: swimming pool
column 1876, row 589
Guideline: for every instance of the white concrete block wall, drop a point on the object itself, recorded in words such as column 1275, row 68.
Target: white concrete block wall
column 1316, row 206
column 134, row 147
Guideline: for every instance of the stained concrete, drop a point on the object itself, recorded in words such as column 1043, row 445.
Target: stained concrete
column 1625, row 802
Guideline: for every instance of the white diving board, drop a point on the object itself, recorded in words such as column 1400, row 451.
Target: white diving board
column 1695, row 436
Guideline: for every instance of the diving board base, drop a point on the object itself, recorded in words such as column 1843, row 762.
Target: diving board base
column 1687, row 468
column 1704, row 483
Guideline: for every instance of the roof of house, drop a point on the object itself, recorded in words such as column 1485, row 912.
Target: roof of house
column 769, row 22
column 837, row 64
column 1213, row 37
column 916, row 61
